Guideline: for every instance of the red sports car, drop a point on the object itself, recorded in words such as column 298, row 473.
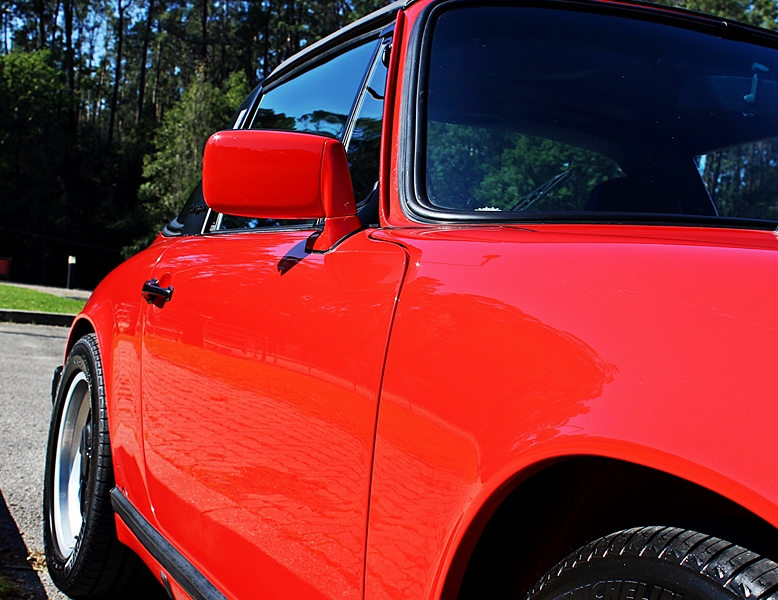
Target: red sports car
column 476, row 300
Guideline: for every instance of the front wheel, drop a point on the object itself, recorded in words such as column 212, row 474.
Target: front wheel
column 660, row 563
column 84, row 557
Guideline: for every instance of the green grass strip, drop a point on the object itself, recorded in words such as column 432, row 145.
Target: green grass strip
column 17, row 298
column 7, row 589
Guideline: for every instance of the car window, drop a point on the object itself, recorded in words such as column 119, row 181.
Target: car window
column 222, row 222
column 190, row 219
column 550, row 113
column 514, row 171
column 320, row 99
column 742, row 180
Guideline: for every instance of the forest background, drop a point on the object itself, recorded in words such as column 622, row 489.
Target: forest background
column 105, row 107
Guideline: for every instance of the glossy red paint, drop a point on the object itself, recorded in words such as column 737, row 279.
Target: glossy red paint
column 114, row 313
column 258, row 424
column 390, row 125
column 393, row 213
column 600, row 341
column 559, row 356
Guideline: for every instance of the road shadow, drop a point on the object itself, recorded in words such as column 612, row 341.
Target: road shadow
column 14, row 567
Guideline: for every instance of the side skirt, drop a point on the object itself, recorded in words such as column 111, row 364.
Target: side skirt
column 179, row 568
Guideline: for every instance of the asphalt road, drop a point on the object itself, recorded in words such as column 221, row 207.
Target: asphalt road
column 28, row 356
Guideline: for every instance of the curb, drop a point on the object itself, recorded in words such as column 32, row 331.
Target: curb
column 36, row 318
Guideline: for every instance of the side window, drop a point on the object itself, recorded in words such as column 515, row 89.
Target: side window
column 363, row 145
column 221, row 222
column 318, row 101
column 192, row 216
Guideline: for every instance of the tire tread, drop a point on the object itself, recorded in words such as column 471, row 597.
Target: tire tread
column 743, row 572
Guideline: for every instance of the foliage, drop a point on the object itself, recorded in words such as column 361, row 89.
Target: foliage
column 529, row 162
column 761, row 13
column 19, row 298
column 93, row 91
column 9, row 590
column 33, row 139
column 471, row 168
column 173, row 170
column 742, row 180
column 105, row 106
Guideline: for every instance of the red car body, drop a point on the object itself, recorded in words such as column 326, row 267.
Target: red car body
column 348, row 423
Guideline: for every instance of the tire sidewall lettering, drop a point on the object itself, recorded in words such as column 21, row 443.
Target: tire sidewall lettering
column 616, row 589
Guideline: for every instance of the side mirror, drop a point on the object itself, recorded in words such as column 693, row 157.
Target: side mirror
column 281, row 175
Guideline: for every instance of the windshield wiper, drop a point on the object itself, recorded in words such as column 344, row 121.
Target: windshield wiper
column 535, row 195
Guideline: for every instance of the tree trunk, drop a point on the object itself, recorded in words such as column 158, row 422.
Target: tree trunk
column 266, row 56
column 204, row 22
column 69, row 62
column 54, row 23
column 118, row 72
column 155, row 98
column 144, row 58
column 40, row 8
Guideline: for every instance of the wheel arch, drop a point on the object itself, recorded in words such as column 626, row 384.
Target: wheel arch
column 547, row 510
column 98, row 319
column 81, row 326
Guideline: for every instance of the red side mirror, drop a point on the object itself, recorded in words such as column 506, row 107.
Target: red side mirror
column 281, row 175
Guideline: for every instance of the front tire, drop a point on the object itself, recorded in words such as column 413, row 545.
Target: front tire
column 660, row 563
column 84, row 557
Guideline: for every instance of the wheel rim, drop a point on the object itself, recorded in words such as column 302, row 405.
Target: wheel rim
column 71, row 464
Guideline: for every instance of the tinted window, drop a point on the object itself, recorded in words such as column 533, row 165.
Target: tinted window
column 222, row 222
column 192, row 216
column 477, row 168
column 742, row 180
column 319, row 100
column 549, row 111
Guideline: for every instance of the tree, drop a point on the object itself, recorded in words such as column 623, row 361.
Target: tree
column 173, row 170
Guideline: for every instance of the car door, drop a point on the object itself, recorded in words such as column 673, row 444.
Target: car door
column 260, row 385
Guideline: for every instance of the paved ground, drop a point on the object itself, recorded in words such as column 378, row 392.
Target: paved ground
column 28, row 356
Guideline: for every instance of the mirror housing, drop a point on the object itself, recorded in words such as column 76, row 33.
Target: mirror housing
column 281, row 175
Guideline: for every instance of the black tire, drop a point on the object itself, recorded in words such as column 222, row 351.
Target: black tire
column 93, row 564
column 660, row 563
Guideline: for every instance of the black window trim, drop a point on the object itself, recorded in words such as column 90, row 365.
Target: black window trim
column 412, row 148
column 352, row 120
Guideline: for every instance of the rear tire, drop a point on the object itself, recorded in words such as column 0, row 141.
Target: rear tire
column 660, row 563
column 84, row 556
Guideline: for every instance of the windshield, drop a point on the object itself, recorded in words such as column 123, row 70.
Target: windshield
column 554, row 113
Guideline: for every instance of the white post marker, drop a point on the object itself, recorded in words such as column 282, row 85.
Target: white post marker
column 71, row 262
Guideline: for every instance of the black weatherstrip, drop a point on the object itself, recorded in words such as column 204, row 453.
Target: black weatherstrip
column 184, row 572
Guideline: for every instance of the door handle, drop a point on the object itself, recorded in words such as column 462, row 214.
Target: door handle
column 153, row 291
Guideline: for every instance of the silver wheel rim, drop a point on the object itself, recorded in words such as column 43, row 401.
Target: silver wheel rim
column 71, row 465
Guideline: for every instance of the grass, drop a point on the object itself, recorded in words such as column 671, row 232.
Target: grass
column 8, row 589
column 25, row 299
